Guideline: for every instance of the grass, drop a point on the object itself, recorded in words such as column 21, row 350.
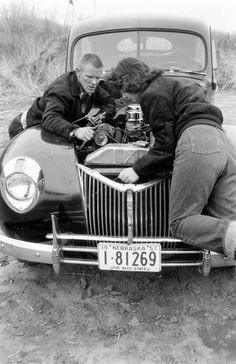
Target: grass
column 226, row 72
column 32, row 50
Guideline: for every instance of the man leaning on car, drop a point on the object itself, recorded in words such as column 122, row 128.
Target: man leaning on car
column 64, row 106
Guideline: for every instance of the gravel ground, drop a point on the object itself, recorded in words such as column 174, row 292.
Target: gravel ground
column 85, row 316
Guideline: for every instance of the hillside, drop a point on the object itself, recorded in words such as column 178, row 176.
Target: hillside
column 32, row 51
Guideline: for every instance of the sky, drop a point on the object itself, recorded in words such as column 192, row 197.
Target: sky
column 219, row 13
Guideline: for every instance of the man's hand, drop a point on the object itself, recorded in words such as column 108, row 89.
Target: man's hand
column 84, row 134
column 128, row 176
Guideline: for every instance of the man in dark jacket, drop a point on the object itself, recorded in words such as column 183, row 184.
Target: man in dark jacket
column 188, row 138
column 65, row 103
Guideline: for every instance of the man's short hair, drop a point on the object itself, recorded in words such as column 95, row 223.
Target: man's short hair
column 92, row 59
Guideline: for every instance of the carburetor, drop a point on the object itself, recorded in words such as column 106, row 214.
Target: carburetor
column 133, row 127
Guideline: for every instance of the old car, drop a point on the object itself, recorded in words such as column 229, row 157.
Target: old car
column 61, row 203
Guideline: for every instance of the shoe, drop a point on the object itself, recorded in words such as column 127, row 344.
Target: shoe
column 230, row 241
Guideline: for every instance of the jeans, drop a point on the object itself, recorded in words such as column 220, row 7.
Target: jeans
column 203, row 187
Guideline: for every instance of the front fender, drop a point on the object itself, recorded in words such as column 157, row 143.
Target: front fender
column 57, row 159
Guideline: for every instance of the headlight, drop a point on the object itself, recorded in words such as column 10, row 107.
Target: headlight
column 20, row 186
column 21, row 183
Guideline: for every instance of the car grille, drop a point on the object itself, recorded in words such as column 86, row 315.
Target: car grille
column 112, row 207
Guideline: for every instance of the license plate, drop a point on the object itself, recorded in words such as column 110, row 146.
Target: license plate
column 133, row 257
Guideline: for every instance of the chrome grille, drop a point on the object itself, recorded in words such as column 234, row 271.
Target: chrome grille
column 106, row 205
column 151, row 210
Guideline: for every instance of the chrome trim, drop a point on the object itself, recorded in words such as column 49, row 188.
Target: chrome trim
column 110, row 239
column 130, row 216
column 83, row 194
column 29, row 167
column 43, row 252
column 116, row 154
column 122, row 187
column 25, row 250
column 56, row 246
column 118, row 209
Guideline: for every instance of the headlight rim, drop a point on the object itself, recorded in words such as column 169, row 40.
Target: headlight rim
column 14, row 196
column 30, row 168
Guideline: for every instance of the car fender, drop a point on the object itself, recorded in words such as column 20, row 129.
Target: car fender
column 57, row 160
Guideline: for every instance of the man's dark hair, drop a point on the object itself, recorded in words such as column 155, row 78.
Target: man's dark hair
column 92, row 59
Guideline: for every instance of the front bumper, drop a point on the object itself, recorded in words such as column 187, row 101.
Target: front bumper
column 53, row 251
column 25, row 250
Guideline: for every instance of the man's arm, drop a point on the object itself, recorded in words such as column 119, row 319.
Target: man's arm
column 57, row 106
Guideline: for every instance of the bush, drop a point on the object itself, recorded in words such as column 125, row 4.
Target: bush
column 32, row 50
column 226, row 72
column 226, row 59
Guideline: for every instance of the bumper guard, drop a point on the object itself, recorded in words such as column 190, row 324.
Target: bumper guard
column 51, row 251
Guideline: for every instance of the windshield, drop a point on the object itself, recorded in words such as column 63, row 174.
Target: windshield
column 155, row 48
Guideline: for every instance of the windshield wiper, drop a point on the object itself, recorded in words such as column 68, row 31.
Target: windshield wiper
column 183, row 70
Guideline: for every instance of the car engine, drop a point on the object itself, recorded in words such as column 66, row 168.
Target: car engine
column 128, row 132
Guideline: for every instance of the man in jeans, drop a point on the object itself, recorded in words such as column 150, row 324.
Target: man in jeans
column 65, row 103
column 189, row 140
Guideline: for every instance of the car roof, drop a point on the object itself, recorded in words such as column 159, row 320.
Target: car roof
column 139, row 21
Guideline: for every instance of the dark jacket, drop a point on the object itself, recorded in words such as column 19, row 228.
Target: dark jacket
column 171, row 105
column 61, row 105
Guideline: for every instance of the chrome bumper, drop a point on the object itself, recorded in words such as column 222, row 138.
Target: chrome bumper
column 52, row 251
column 25, row 250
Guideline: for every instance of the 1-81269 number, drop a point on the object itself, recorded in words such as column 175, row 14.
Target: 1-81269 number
column 133, row 257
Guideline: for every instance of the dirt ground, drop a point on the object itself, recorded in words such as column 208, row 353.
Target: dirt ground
column 86, row 316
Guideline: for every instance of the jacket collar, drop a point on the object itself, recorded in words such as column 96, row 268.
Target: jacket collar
column 76, row 88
